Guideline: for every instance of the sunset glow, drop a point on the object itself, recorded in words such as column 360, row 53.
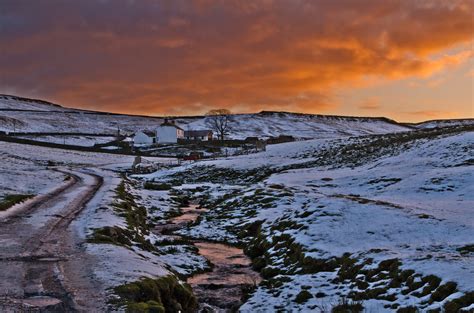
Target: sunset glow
column 404, row 59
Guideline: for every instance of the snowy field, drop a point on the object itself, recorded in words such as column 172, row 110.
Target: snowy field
column 84, row 141
column 385, row 222
column 348, row 220
column 27, row 169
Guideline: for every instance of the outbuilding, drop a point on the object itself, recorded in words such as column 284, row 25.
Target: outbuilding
column 144, row 137
column 200, row 135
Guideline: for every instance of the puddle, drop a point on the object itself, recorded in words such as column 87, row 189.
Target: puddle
column 221, row 289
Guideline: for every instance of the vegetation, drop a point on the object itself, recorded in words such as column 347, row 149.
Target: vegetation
column 156, row 186
column 213, row 174
column 277, row 255
column 12, row 199
column 219, row 121
column 135, row 217
column 303, row 296
column 466, row 249
column 443, row 291
column 345, row 306
column 165, row 294
column 456, row 304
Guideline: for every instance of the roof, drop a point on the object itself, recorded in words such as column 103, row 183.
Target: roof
column 166, row 123
column 149, row 133
column 197, row 133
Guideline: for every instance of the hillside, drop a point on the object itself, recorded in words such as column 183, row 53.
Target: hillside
column 373, row 223
column 384, row 222
column 28, row 115
column 442, row 123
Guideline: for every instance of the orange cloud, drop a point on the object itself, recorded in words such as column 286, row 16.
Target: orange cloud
column 185, row 57
column 372, row 103
column 433, row 114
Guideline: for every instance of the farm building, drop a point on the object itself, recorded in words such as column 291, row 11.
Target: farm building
column 202, row 135
column 169, row 132
column 144, row 137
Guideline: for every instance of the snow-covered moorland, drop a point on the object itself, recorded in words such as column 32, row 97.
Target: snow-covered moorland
column 374, row 222
column 29, row 115
column 380, row 223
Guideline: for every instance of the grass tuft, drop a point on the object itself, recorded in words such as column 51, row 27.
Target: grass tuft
column 12, row 199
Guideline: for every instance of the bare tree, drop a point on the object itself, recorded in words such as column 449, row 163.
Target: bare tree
column 219, row 121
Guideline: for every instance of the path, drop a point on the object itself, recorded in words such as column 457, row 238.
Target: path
column 43, row 266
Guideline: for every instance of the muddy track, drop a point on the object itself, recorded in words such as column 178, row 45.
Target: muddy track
column 56, row 227
column 37, row 201
column 44, row 253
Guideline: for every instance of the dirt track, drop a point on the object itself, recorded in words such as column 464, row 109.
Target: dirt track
column 43, row 267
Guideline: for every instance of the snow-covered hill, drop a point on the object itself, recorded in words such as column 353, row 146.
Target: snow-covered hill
column 272, row 124
column 27, row 115
column 378, row 223
column 443, row 123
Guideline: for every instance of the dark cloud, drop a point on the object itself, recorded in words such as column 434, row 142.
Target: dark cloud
column 175, row 56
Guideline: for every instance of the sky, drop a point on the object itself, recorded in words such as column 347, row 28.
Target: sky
column 410, row 60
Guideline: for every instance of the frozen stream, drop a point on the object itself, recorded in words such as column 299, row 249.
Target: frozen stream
column 221, row 289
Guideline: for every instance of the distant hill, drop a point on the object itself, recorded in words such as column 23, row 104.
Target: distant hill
column 31, row 115
column 9, row 102
column 442, row 123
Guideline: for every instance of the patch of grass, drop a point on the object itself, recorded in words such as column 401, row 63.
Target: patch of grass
column 180, row 199
column 432, row 282
column 345, row 306
column 173, row 242
column 218, row 175
column 374, row 293
column 136, row 218
column 156, row 186
column 165, row 294
column 466, row 249
column 443, row 291
column 413, row 282
column 112, row 235
column 12, row 199
column 459, row 303
column 348, row 269
column 303, row 296
column 276, row 186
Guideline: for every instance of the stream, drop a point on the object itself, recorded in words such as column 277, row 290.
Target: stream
column 221, row 289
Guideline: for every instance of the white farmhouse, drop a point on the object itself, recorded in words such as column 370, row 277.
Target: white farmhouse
column 169, row 132
column 143, row 138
